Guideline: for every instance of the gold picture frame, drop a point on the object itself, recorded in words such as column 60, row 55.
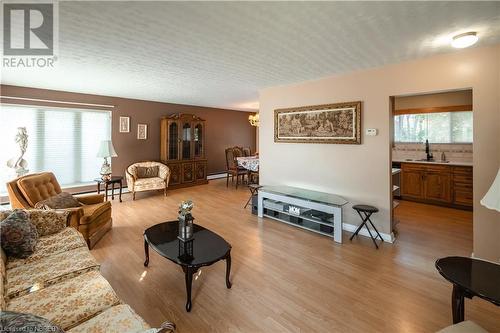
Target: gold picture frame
column 338, row 123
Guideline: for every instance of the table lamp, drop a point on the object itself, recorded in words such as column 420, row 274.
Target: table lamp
column 106, row 150
column 492, row 198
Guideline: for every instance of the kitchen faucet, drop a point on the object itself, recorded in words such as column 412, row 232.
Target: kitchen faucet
column 428, row 151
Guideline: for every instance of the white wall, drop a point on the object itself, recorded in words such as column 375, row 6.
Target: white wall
column 361, row 173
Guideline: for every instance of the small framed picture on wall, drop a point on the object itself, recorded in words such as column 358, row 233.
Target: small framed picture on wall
column 142, row 131
column 124, row 124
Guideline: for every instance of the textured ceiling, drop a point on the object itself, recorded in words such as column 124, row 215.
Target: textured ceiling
column 220, row 53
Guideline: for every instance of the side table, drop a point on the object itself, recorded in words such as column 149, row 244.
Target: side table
column 114, row 180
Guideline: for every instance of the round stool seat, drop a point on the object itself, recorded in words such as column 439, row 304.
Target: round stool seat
column 365, row 208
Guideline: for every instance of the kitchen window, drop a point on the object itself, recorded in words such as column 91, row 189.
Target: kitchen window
column 61, row 140
column 439, row 127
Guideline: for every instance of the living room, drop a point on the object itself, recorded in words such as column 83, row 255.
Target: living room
column 258, row 134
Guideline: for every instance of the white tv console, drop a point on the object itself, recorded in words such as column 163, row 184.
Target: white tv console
column 319, row 212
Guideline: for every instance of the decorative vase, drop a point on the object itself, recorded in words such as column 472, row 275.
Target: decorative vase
column 185, row 221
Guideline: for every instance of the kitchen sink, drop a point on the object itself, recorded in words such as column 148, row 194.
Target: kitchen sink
column 425, row 160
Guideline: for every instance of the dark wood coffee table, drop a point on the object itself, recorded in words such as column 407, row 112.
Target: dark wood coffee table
column 206, row 249
column 470, row 277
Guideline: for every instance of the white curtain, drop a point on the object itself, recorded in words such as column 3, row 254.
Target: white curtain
column 61, row 140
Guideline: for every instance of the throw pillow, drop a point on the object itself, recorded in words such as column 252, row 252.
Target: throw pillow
column 59, row 201
column 147, row 172
column 48, row 222
column 18, row 235
column 25, row 322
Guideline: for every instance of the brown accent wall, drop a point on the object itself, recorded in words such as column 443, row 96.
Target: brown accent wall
column 224, row 127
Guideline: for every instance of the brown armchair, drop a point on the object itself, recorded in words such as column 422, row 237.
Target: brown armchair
column 233, row 169
column 92, row 219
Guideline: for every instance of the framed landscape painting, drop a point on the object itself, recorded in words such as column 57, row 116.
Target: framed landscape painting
column 328, row 123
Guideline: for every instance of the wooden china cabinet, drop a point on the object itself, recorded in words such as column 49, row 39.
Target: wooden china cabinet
column 182, row 149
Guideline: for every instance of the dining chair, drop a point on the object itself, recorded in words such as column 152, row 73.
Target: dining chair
column 233, row 169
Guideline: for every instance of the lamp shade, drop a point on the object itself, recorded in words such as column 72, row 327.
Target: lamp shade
column 106, row 149
column 492, row 198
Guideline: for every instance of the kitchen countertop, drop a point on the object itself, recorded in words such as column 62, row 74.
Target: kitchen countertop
column 435, row 162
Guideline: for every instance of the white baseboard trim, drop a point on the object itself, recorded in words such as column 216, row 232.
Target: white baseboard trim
column 389, row 238
column 217, row 176
column 493, row 262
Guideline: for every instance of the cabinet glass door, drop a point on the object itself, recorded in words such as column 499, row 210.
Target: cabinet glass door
column 186, row 141
column 173, row 141
column 198, row 140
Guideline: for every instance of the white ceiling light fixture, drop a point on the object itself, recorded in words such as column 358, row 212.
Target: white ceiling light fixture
column 464, row 40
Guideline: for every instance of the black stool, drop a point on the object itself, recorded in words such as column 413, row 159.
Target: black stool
column 367, row 212
column 254, row 189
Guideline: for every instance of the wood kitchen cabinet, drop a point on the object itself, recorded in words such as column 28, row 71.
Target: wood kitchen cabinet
column 462, row 186
column 412, row 184
column 438, row 184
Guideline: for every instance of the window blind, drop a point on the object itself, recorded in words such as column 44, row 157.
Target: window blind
column 444, row 127
column 61, row 140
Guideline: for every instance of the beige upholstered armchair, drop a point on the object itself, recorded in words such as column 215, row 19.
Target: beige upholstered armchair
column 147, row 176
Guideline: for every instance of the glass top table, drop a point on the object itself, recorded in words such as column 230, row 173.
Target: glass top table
column 291, row 205
column 205, row 249
column 470, row 277
column 299, row 193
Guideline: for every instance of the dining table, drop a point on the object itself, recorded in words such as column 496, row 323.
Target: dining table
column 251, row 163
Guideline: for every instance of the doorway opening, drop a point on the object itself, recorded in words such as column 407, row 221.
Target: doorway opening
column 431, row 158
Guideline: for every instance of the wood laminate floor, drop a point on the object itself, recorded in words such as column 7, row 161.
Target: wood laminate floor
column 290, row 280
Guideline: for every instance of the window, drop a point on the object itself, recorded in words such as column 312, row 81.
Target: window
column 440, row 127
column 64, row 141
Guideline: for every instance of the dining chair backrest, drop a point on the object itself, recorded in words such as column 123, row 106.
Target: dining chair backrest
column 247, row 151
column 230, row 159
column 231, row 154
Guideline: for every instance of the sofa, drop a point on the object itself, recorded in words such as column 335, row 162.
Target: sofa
column 60, row 281
column 143, row 180
column 92, row 219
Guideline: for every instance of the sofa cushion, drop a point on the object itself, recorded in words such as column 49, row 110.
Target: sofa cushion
column 48, row 222
column 118, row 319
column 3, row 304
column 3, row 280
column 59, row 201
column 65, row 240
column 38, row 187
column 18, row 235
column 464, row 327
column 3, row 265
column 26, row 322
column 147, row 172
column 70, row 302
column 91, row 212
column 49, row 270
column 149, row 183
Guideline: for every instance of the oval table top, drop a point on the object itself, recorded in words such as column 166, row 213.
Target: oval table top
column 478, row 277
column 207, row 246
